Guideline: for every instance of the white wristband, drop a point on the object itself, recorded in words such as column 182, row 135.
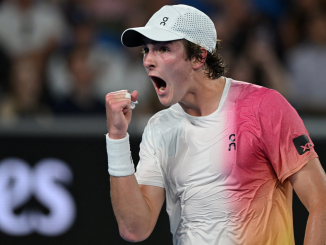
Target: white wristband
column 119, row 156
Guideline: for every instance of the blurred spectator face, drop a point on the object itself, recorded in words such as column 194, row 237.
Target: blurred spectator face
column 307, row 5
column 316, row 28
column 239, row 9
column 242, row 69
column 83, row 74
column 223, row 29
column 84, row 34
column 25, row 4
column 26, row 80
column 289, row 33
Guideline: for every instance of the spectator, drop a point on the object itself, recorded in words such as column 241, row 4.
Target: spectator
column 81, row 101
column 26, row 97
column 306, row 62
column 259, row 64
column 84, row 37
column 28, row 26
column 110, row 66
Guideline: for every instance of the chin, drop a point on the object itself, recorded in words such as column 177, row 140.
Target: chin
column 165, row 102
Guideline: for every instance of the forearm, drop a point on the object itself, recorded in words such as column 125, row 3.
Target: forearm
column 316, row 227
column 132, row 212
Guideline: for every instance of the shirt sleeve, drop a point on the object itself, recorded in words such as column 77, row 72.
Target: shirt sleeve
column 148, row 171
column 284, row 138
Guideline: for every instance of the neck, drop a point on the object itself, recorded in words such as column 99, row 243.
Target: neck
column 204, row 98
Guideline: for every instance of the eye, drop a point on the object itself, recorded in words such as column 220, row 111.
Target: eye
column 164, row 49
column 144, row 50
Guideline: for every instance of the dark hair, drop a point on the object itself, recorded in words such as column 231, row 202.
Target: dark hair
column 214, row 65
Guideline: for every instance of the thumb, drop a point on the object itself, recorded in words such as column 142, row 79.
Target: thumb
column 134, row 95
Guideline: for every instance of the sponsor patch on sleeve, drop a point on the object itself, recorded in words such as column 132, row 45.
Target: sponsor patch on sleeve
column 302, row 144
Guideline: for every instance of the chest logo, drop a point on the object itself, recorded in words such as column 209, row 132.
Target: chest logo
column 165, row 19
column 232, row 139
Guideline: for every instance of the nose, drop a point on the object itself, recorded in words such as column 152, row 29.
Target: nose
column 149, row 60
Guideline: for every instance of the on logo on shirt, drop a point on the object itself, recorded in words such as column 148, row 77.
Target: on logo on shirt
column 232, row 139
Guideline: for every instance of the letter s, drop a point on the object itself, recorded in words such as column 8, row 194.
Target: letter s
column 49, row 176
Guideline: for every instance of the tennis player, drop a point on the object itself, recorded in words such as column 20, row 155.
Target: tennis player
column 226, row 155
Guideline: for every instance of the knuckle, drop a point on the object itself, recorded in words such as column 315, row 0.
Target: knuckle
column 108, row 95
column 107, row 99
column 110, row 102
column 115, row 107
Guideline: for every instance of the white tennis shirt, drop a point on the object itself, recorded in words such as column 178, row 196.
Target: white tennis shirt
column 224, row 184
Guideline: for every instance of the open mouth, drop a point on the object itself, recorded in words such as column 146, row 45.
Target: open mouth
column 160, row 84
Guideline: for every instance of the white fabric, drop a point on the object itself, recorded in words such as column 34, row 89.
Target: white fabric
column 119, row 156
column 176, row 153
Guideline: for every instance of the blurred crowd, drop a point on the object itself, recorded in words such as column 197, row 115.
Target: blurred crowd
column 62, row 57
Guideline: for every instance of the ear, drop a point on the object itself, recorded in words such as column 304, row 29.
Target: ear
column 196, row 64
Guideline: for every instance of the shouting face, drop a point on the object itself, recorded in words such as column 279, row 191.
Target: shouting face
column 167, row 67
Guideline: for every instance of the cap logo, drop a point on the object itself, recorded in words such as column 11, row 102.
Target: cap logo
column 165, row 19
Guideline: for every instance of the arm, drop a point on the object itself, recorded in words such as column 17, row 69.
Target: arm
column 136, row 207
column 310, row 185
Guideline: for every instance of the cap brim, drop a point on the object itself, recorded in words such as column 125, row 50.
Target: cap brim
column 132, row 37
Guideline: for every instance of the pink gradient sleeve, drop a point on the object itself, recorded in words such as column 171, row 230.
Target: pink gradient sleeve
column 280, row 125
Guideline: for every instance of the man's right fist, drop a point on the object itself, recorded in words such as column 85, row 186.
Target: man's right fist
column 118, row 112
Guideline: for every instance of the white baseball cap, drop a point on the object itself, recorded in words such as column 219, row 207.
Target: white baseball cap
column 174, row 22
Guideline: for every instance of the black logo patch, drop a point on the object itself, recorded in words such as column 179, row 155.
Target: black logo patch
column 302, row 144
column 165, row 19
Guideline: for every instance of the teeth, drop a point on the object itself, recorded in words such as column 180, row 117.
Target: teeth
column 161, row 89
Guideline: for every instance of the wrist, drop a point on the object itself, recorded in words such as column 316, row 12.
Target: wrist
column 117, row 136
column 119, row 156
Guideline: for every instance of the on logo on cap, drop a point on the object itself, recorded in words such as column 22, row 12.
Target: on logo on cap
column 165, row 19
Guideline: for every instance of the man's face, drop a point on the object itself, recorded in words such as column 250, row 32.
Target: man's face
column 166, row 65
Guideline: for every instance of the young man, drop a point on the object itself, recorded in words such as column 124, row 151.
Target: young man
column 226, row 155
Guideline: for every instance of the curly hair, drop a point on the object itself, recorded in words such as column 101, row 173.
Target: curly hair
column 214, row 65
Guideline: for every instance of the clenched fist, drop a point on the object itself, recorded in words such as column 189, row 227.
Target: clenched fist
column 118, row 112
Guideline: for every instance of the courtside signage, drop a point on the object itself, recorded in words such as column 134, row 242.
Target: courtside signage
column 46, row 183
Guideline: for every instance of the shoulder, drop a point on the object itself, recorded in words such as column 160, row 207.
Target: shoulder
column 274, row 111
column 261, row 103
column 249, row 95
column 250, row 88
column 273, row 101
column 170, row 114
column 266, row 102
column 164, row 122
